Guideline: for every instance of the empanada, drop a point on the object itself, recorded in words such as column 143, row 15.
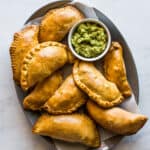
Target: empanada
column 41, row 62
column 92, row 82
column 75, row 128
column 42, row 92
column 66, row 99
column 116, row 119
column 57, row 22
column 23, row 41
column 115, row 70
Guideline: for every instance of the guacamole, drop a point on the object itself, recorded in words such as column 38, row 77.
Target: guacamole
column 89, row 39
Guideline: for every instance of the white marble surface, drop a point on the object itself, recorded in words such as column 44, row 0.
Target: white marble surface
column 133, row 20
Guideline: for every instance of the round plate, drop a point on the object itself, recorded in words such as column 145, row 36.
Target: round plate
column 116, row 36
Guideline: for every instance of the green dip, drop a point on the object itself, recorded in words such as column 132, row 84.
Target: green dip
column 89, row 39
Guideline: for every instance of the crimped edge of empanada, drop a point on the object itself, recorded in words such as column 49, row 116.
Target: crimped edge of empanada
column 12, row 55
column 91, row 94
column 12, row 50
column 36, row 129
column 67, row 111
column 30, row 56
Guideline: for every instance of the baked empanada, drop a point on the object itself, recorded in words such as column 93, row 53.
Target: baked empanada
column 66, row 99
column 75, row 128
column 115, row 70
column 116, row 119
column 57, row 22
column 42, row 92
column 23, row 41
column 41, row 62
column 92, row 82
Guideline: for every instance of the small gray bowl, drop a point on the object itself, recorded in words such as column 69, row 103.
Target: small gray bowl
column 72, row 32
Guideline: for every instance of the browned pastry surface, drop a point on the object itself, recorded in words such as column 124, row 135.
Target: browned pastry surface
column 115, row 70
column 76, row 128
column 66, row 99
column 41, row 62
column 23, row 41
column 42, row 92
column 116, row 119
column 93, row 83
column 57, row 23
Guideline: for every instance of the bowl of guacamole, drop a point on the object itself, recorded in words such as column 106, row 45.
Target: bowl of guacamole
column 89, row 39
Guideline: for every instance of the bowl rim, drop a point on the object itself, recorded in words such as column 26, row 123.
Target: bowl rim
column 72, row 30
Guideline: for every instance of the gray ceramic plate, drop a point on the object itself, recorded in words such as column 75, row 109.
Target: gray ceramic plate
column 116, row 35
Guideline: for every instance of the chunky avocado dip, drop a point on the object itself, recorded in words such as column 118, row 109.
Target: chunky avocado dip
column 89, row 39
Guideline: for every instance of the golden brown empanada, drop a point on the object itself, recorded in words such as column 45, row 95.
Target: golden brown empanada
column 23, row 41
column 116, row 119
column 115, row 70
column 57, row 22
column 75, row 128
column 42, row 92
column 66, row 99
column 41, row 62
column 91, row 81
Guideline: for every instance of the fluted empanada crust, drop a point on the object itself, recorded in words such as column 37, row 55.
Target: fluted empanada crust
column 74, row 128
column 41, row 62
column 116, row 119
column 57, row 22
column 23, row 41
column 115, row 70
column 66, row 99
column 91, row 81
column 42, row 92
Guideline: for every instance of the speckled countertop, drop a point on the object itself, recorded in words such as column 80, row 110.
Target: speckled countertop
column 133, row 20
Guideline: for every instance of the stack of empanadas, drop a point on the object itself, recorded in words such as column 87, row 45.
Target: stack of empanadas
column 37, row 55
